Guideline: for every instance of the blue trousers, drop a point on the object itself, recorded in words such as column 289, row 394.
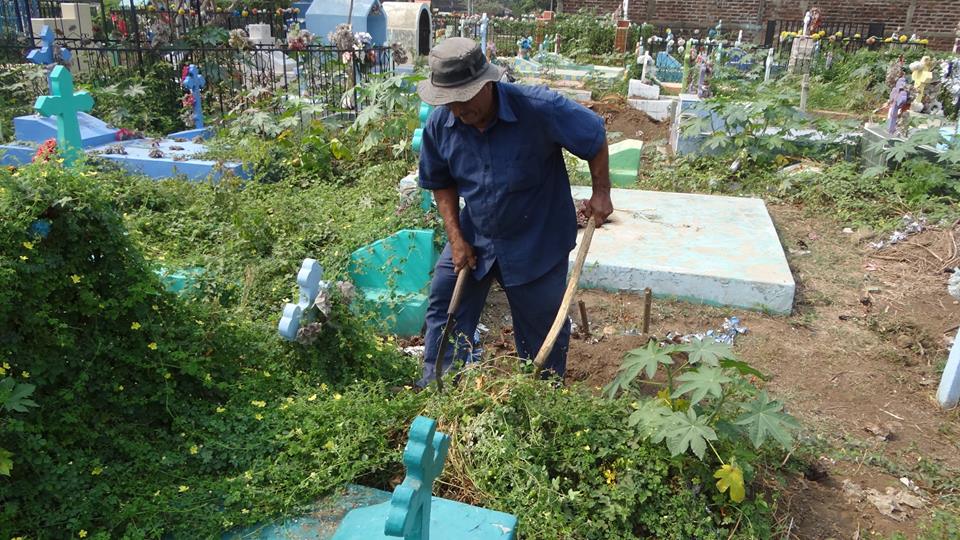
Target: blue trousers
column 533, row 306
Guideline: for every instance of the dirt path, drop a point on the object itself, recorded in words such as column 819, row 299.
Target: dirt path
column 861, row 352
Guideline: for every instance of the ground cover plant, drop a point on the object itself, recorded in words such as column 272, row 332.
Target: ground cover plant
column 161, row 414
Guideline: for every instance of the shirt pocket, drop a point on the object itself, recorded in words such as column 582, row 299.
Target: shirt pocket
column 524, row 170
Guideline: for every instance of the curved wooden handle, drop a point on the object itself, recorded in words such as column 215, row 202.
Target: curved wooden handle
column 458, row 290
column 567, row 297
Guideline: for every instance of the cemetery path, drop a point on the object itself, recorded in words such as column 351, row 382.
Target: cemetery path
column 857, row 362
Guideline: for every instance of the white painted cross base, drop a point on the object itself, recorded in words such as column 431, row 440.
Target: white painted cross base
column 948, row 394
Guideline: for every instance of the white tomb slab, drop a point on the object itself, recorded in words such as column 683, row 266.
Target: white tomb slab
column 700, row 248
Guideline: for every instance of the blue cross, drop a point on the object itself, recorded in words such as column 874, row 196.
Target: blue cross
column 426, row 451
column 65, row 104
column 194, row 82
column 45, row 54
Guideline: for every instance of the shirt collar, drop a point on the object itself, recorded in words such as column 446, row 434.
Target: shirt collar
column 504, row 112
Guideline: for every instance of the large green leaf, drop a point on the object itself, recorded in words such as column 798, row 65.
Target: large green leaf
column 764, row 420
column 13, row 395
column 643, row 359
column 686, row 430
column 742, row 368
column 707, row 351
column 701, row 382
column 650, row 418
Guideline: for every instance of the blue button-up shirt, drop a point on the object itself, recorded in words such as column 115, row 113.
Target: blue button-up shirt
column 519, row 211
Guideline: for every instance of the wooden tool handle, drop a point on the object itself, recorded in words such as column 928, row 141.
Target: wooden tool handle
column 567, row 297
column 458, row 290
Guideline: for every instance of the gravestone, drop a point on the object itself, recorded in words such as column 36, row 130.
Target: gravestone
column 46, row 54
column 669, row 68
column 194, row 82
column 413, row 513
column 948, row 393
column 310, row 281
column 64, row 104
column 801, row 54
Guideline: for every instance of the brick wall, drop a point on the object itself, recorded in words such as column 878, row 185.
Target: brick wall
column 932, row 19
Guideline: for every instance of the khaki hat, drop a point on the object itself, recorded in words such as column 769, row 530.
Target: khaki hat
column 458, row 70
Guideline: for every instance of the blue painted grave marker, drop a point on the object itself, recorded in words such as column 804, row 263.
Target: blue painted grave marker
column 948, row 394
column 194, row 83
column 413, row 513
column 65, row 104
column 310, row 281
column 45, row 54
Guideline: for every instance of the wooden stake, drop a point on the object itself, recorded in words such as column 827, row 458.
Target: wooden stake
column 583, row 319
column 647, row 304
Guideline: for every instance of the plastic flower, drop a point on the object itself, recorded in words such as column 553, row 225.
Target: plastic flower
column 135, row 325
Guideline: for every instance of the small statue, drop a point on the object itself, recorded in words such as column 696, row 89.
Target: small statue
column 670, row 41
column 806, row 23
column 921, row 72
column 898, row 105
column 815, row 20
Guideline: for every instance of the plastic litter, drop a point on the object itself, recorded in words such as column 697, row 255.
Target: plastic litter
column 910, row 226
column 726, row 334
column 953, row 284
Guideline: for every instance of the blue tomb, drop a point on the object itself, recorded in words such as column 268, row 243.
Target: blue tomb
column 323, row 16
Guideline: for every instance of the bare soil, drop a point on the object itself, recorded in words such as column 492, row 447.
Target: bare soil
column 862, row 350
column 630, row 123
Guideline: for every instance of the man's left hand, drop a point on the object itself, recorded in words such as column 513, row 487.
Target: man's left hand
column 600, row 206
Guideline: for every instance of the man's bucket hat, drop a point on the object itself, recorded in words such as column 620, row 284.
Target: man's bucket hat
column 458, row 70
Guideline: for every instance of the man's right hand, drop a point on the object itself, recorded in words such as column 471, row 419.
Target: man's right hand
column 463, row 256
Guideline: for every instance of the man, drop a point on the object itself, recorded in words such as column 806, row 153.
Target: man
column 499, row 146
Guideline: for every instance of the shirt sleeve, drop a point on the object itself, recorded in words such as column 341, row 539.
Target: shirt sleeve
column 575, row 127
column 434, row 172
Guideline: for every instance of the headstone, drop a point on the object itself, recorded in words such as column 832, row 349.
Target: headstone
column 801, row 53
column 637, row 89
column 310, row 281
column 65, row 104
column 948, row 393
column 194, row 83
column 413, row 513
column 259, row 34
column 46, row 53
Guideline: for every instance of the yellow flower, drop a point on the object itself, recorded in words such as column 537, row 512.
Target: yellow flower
column 248, row 475
column 97, row 471
column 266, row 374
column 82, row 533
column 28, row 245
column 75, row 279
column 257, row 403
column 587, row 448
column 258, row 416
column 135, row 325
column 119, row 388
column 610, row 476
column 244, row 511
column 152, row 345
column 6, row 365
column 369, row 356
column 24, row 258
column 167, row 375
column 312, row 398
column 323, row 387
column 924, row 41
column 194, row 450
column 903, row 39
column 25, row 374
column 221, row 410
column 3, row 371
column 337, row 397
column 329, row 445
column 184, row 489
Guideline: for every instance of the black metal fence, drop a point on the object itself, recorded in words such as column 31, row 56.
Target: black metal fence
column 318, row 74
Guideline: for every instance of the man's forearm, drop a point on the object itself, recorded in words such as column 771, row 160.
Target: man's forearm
column 448, row 204
column 600, row 169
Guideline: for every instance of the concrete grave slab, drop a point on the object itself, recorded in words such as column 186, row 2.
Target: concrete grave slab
column 657, row 109
column 638, row 89
column 700, row 248
column 176, row 159
column 37, row 129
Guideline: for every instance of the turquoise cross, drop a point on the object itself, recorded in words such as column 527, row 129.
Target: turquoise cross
column 65, row 104
column 426, row 451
